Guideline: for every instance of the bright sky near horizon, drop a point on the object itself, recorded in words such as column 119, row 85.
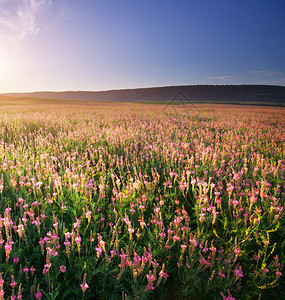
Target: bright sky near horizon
column 59, row 45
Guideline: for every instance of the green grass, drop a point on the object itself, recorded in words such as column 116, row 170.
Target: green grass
column 149, row 202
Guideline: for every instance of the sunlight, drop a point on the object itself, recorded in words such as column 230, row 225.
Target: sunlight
column 2, row 63
column 7, row 70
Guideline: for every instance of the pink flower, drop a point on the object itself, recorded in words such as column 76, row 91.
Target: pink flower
column 265, row 270
column 62, row 269
column 238, row 271
column 55, row 224
column 163, row 274
column 202, row 217
column 13, row 282
column 99, row 251
column 19, row 292
column 16, row 260
column 230, row 297
column 236, row 250
column 46, row 268
column 84, row 286
column 39, row 293
column 77, row 239
column 88, row 214
column 150, row 278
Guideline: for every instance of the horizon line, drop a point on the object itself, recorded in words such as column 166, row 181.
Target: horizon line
column 141, row 88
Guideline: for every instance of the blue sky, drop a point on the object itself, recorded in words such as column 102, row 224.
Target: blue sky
column 112, row 44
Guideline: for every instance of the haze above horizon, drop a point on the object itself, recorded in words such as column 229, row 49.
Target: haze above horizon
column 48, row 45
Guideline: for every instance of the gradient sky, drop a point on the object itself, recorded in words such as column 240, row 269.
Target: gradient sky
column 64, row 45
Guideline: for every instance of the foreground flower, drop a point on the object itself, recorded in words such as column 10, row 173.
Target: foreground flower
column 84, row 285
column 38, row 293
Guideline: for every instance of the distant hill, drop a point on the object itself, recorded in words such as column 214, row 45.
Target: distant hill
column 243, row 94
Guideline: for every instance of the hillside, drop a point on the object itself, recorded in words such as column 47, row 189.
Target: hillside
column 243, row 94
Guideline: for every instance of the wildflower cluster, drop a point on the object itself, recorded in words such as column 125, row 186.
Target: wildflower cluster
column 112, row 199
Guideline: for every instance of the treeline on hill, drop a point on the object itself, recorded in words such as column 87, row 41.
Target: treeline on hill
column 243, row 94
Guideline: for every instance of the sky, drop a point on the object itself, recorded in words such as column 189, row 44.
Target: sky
column 64, row 45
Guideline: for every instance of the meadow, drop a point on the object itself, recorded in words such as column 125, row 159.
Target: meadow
column 141, row 201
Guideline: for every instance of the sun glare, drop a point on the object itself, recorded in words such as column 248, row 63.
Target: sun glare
column 2, row 64
column 5, row 71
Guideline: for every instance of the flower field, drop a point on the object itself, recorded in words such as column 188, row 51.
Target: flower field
column 133, row 201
